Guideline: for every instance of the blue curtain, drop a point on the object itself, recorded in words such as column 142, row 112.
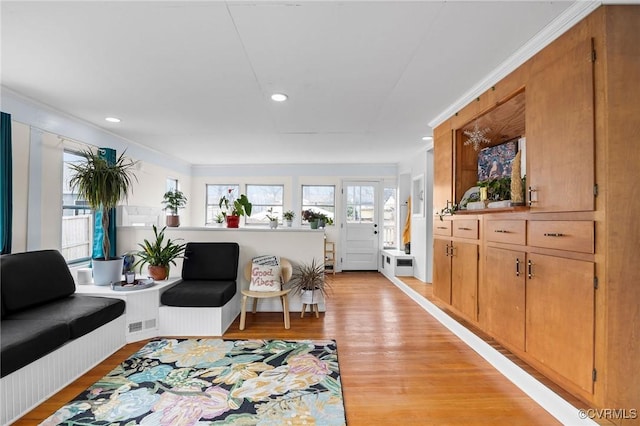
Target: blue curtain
column 6, row 184
column 109, row 155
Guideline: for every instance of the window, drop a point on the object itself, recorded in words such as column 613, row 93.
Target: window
column 321, row 199
column 263, row 198
column 389, row 235
column 360, row 204
column 77, row 218
column 214, row 193
column 172, row 184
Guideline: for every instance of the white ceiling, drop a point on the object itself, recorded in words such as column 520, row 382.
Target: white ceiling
column 193, row 79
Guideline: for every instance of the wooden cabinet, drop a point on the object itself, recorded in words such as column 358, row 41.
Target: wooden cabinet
column 580, row 120
column 560, row 130
column 464, row 278
column 503, row 310
column 560, row 316
column 455, row 272
column 443, row 174
column 442, row 270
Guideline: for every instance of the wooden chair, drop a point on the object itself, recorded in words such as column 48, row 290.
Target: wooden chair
column 286, row 270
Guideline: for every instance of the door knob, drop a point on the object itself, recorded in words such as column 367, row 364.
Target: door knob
column 375, row 225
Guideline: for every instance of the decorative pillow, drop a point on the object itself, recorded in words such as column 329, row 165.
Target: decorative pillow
column 265, row 278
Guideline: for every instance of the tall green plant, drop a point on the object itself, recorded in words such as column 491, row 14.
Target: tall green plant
column 309, row 276
column 102, row 185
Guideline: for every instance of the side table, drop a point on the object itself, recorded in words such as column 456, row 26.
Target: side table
column 142, row 310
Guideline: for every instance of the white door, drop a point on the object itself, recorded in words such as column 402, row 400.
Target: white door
column 362, row 232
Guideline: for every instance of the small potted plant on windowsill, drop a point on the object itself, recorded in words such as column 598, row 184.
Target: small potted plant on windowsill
column 159, row 257
column 288, row 217
column 273, row 218
column 312, row 217
column 234, row 208
column 174, row 200
column 219, row 220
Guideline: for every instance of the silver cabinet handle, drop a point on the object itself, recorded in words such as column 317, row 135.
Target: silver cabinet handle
column 529, row 269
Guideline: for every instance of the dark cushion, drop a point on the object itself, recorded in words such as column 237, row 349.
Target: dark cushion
column 24, row 341
column 199, row 293
column 211, row 261
column 82, row 314
column 33, row 278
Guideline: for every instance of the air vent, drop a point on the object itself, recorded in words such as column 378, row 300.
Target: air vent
column 404, row 262
column 135, row 326
column 150, row 323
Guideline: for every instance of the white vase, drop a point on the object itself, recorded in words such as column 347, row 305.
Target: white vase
column 289, row 222
column 310, row 297
column 109, row 271
column 273, row 224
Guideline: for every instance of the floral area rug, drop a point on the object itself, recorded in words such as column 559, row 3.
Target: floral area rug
column 177, row 382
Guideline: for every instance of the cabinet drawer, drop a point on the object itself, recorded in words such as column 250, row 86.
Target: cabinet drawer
column 562, row 235
column 467, row 228
column 506, row 231
column 442, row 227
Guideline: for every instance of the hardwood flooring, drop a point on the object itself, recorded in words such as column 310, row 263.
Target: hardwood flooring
column 398, row 365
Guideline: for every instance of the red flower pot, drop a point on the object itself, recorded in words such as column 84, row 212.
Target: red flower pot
column 233, row 221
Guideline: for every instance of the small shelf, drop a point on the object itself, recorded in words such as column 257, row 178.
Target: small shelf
column 330, row 256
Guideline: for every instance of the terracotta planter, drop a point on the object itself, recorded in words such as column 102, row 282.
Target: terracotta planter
column 173, row 221
column 233, row 221
column 158, row 273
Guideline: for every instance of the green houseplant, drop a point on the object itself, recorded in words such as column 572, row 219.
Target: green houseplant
column 159, row 257
column 310, row 281
column 288, row 217
column 312, row 217
column 174, row 200
column 103, row 186
column 234, row 208
column 273, row 218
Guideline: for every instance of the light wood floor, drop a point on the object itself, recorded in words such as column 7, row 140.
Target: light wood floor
column 398, row 365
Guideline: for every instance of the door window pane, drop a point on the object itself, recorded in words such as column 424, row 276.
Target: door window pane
column 360, row 204
column 265, row 200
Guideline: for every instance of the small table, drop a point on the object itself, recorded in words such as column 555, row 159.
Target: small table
column 142, row 306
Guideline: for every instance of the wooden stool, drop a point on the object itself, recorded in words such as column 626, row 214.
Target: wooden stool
column 313, row 307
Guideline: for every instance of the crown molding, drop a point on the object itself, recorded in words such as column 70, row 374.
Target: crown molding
column 570, row 17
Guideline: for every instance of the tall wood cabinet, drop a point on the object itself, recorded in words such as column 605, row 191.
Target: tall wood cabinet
column 556, row 281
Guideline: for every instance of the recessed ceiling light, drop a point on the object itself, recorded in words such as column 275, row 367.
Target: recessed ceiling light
column 112, row 119
column 279, row 97
column 427, row 138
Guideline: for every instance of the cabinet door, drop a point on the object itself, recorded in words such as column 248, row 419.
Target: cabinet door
column 560, row 316
column 443, row 171
column 503, row 298
column 442, row 270
column 464, row 279
column 560, row 131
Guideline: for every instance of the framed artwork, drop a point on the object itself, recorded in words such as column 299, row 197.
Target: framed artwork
column 495, row 162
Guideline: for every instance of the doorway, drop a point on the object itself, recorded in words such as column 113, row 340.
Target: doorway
column 362, row 230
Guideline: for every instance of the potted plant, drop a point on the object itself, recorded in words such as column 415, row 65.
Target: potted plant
column 273, row 218
column 288, row 217
column 174, row 200
column 312, row 217
column 219, row 219
column 234, row 208
column 310, row 281
column 103, row 185
column 159, row 257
